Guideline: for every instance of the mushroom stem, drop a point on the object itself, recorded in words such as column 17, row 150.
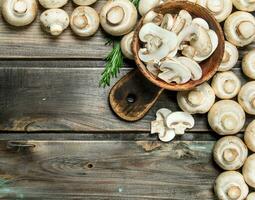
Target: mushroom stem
column 246, row 29
column 229, row 86
column 20, row 7
column 230, row 154
column 115, row 15
column 56, row 29
column 226, row 57
column 234, row 192
column 195, row 97
column 80, row 21
column 229, row 122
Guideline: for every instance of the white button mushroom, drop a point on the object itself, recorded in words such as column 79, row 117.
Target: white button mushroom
column 145, row 5
column 230, row 153
column 251, row 196
column 167, row 22
column 84, row 2
column 198, row 100
column 239, row 28
column 230, row 57
column 84, row 21
column 226, row 117
column 249, row 170
column 126, row 45
column 248, row 64
column 118, row 17
column 230, row 185
column 19, row 12
column 246, row 97
column 226, row 85
column 183, row 20
column 53, row 3
column 153, row 17
column 54, row 21
column 201, row 22
column 245, row 5
column 153, row 67
column 249, row 136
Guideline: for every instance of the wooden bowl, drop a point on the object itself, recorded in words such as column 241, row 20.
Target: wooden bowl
column 209, row 66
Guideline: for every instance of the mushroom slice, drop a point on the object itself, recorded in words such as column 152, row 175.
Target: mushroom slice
column 198, row 100
column 179, row 122
column 84, row 21
column 153, row 17
column 251, row 196
column 246, row 97
column 126, row 45
column 249, row 170
column 153, row 67
column 167, row 22
column 19, row 12
column 230, row 57
column 226, row 117
column 245, row 5
column 221, row 9
column 248, row 64
column 173, row 71
column 84, row 2
column 201, row 22
column 159, row 42
column 249, row 136
column 230, row 185
column 145, row 5
column 230, row 153
column 53, row 4
column 183, row 20
column 226, row 85
column 118, row 17
column 54, row 21
column 239, row 28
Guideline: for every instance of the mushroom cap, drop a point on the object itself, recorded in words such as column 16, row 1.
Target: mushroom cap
column 126, row 45
column 230, row 57
column 54, row 21
column 84, row 2
column 84, row 21
column 249, row 136
column 118, row 17
column 244, row 5
column 239, row 28
column 198, row 100
column 226, row 85
column 201, row 22
column 19, row 12
column 249, row 170
column 230, row 153
column 248, row 64
column 246, row 97
column 251, row 196
column 145, row 5
column 226, row 117
column 230, row 185
column 53, row 4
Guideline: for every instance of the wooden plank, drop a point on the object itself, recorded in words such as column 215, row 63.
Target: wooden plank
column 68, row 99
column 107, row 170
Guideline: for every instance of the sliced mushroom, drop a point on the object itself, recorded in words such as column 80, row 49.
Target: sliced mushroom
column 230, row 57
column 249, row 170
column 54, row 21
column 226, row 85
column 239, row 28
column 183, row 20
column 118, row 17
column 245, row 5
column 153, row 17
column 153, row 67
column 53, row 4
column 201, row 22
column 221, row 9
column 246, row 97
column 251, row 196
column 126, row 45
column 179, row 122
column 19, row 12
column 159, row 42
column 230, row 185
column 84, row 2
column 198, row 100
column 230, row 153
column 248, row 64
column 249, row 136
column 84, row 21
column 145, row 5
column 226, row 117
column 167, row 22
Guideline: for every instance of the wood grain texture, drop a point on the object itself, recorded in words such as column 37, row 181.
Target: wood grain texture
column 107, row 170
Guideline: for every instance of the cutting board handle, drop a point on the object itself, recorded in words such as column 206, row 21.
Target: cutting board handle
column 133, row 96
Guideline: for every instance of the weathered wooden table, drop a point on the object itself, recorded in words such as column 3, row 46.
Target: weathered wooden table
column 59, row 138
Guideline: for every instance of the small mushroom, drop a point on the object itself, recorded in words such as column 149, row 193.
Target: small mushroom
column 230, row 153
column 84, row 21
column 179, row 122
column 126, row 45
column 167, row 22
column 145, row 5
column 153, row 17
column 246, row 97
column 230, row 57
column 53, row 3
column 249, row 170
column 182, row 20
column 245, row 5
column 198, row 100
column 84, row 2
column 19, row 12
column 230, row 185
column 239, row 28
column 251, row 196
column 226, row 117
column 248, row 64
column 54, row 21
column 226, row 85
column 249, row 136
column 118, row 17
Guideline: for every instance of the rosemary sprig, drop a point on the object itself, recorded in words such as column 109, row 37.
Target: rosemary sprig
column 135, row 2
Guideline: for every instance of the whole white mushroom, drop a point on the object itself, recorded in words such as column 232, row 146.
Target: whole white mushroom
column 248, row 64
column 84, row 2
column 53, row 3
column 249, row 136
column 249, row 170
column 246, row 97
column 245, row 5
